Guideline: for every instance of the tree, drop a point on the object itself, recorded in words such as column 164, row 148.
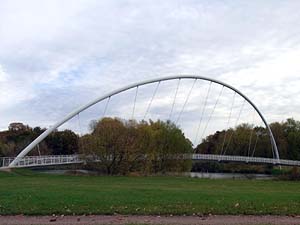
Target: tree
column 105, row 143
column 4, row 149
column 243, row 140
column 128, row 146
column 279, row 131
column 62, row 142
column 292, row 133
column 286, row 134
column 169, row 144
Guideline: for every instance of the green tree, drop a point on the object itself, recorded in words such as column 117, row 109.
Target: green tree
column 123, row 147
column 62, row 142
column 106, row 143
column 4, row 150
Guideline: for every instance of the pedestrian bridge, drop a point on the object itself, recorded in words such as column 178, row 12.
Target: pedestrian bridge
column 210, row 102
column 49, row 160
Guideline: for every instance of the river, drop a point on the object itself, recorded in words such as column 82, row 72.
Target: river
column 202, row 175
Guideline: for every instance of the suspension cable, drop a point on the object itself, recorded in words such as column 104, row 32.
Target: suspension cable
column 202, row 114
column 38, row 148
column 228, row 122
column 211, row 114
column 79, row 125
column 170, row 116
column 151, row 100
column 186, row 100
column 255, row 145
column 250, row 141
column 273, row 151
column 135, row 97
column 80, row 144
column 106, row 106
column 236, row 123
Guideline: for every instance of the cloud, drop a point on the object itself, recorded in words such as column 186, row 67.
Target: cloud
column 3, row 75
column 58, row 55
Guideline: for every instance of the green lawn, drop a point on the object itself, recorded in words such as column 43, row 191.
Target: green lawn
column 30, row 193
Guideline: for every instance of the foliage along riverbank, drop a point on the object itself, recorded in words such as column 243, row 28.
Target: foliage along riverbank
column 128, row 142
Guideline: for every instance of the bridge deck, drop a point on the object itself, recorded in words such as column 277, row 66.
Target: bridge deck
column 233, row 158
column 33, row 161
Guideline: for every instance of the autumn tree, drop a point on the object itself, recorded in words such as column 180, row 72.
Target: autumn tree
column 123, row 146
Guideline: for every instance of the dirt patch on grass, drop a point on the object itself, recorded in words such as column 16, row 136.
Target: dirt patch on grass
column 176, row 220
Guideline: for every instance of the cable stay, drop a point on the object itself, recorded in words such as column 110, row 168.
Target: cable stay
column 186, row 101
column 255, row 145
column 80, row 144
column 134, row 103
column 202, row 114
column 273, row 153
column 211, row 114
column 251, row 134
column 258, row 134
column 79, row 125
column 151, row 100
column 106, row 106
column 38, row 149
column 173, row 104
column 228, row 122
column 236, row 123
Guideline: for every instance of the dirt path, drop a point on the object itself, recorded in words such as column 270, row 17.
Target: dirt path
column 179, row 220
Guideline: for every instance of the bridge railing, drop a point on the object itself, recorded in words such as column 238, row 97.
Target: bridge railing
column 31, row 161
column 5, row 161
column 41, row 160
column 247, row 159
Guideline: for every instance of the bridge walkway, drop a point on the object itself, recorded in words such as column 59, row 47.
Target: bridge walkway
column 48, row 160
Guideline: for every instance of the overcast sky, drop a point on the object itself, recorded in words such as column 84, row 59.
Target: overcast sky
column 58, row 55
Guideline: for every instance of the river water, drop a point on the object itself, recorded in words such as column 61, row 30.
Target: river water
column 208, row 175
column 202, row 175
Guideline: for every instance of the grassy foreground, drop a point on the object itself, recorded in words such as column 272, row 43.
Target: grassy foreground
column 30, row 193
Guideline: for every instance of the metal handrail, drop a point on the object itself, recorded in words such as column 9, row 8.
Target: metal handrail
column 32, row 161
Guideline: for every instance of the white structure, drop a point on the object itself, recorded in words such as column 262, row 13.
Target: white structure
column 136, row 85
column 50, row 160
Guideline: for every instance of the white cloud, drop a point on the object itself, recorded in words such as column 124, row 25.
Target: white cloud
column 3, row 75
column 57, row 55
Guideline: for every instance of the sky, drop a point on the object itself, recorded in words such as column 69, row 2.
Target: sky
column 56, row 55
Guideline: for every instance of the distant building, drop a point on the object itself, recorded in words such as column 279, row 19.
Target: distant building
column 17, row 127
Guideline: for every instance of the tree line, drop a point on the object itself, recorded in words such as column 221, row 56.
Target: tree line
column 121, row 146
column 128, row 146
column 247, row 140
column 12, row 141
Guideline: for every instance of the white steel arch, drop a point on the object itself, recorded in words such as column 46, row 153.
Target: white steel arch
column 40, row 138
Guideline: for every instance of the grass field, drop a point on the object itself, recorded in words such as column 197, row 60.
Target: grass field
column 29, row 193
